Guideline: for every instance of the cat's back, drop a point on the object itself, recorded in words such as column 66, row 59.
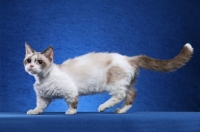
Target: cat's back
column 92, row 62
column 98, row 60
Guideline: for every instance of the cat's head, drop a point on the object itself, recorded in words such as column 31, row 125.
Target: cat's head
column 37, row 62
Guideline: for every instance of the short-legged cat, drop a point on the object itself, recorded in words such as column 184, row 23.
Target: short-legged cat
column 92, row 73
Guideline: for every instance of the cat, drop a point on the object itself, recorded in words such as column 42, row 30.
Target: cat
column 92, row 73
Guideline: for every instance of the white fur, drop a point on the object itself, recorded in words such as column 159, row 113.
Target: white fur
column 123, row 109
column 188, row 45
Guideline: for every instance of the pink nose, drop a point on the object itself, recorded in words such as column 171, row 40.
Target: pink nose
column 31, row 66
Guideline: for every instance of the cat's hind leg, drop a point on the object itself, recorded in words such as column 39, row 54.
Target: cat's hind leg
column 114, row 100
column 127, row 102
column 118, row 82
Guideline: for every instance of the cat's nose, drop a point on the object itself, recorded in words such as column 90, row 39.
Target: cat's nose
column 31, row 66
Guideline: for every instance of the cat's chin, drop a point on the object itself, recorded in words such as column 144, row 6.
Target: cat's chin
column 31, row 72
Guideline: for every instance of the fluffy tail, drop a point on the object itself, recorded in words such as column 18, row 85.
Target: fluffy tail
column 164, row 65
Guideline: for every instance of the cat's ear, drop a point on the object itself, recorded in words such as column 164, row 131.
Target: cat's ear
column 28, row 48
column 49, row 53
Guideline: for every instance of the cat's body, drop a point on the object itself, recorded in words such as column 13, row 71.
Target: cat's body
column 92, row 73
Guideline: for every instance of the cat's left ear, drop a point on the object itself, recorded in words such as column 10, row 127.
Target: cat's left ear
column 49, row 53
column 28, row 48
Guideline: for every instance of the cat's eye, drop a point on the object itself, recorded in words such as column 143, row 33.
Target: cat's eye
column 28, row 60
column 40, row 61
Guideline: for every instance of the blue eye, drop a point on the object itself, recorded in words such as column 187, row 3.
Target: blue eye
column 28, row 60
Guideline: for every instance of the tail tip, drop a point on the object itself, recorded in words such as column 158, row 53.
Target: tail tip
column 189, row 46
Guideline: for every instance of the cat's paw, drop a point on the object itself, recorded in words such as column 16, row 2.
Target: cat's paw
column 119, row 111
column 101, row 108
column 33, row 112
column 71, row 111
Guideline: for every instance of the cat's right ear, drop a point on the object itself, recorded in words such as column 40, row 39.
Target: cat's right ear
column 28, row 48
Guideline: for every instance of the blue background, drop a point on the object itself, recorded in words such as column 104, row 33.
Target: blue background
column 157, row 28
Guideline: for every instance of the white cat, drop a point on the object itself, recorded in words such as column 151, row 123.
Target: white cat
column 92, row 73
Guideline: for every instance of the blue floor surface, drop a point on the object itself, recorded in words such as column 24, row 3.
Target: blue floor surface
column 104, row 122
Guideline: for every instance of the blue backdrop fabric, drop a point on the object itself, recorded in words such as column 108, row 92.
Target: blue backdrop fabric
column 75, row 27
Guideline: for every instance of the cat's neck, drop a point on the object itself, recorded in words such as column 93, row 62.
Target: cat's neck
column 44, row 74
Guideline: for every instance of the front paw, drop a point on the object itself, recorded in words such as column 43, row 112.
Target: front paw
column 33, row 112
column 101, row 108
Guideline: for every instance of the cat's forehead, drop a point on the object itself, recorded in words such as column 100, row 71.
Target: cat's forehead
column 31, row 55
column 35, row 55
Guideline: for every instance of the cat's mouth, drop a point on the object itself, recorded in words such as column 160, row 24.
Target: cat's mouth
column 32, row 71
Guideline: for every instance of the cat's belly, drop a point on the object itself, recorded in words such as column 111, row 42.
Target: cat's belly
column 92, row 88
column 95, row 82
column 90, row 91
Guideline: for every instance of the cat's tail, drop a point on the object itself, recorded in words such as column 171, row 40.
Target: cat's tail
column 178, row 61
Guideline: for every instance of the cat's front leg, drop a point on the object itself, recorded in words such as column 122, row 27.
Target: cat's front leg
column 72, row 103
column 42, row 103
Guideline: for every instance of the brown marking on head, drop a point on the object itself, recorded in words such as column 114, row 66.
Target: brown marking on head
column 45, row 61
column 29, row 56
column 29, row 52
column 74, row 103
column 38, row 60
column 130, row 97
column 114, row 74
column 25, row 60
